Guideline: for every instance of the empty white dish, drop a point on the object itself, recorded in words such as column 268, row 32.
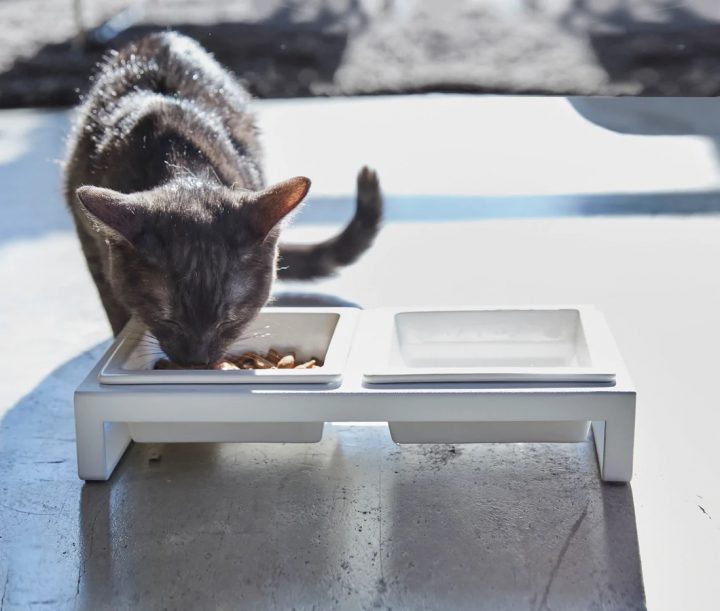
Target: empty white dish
column 518, row 345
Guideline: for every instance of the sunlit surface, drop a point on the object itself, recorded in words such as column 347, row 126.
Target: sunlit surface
column 654, row 277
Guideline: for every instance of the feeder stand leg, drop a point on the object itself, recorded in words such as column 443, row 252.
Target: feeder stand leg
column 614, row 439
column 100, row 445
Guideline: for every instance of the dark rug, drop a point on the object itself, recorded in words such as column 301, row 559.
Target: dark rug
column 293, row 48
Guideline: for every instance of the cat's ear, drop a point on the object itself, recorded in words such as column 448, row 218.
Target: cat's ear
column 112, row 211
column 270, row 206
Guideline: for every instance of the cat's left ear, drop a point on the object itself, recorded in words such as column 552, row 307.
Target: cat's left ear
column 115, row 213
column 270, row 206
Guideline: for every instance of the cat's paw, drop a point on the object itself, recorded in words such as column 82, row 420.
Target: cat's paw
column 369, row 196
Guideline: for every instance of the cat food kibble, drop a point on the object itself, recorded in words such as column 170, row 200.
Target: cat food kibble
column 225, row 366
column 254, row 360
column 286, row 362
column 251, row 360
column 311, row 364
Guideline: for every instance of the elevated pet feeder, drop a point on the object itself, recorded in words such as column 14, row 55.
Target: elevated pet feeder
column 451, row 375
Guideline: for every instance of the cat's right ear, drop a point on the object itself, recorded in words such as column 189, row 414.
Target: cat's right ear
column 112, row 212
column 268, row 207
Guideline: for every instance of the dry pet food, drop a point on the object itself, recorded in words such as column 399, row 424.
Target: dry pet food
column 252, row 360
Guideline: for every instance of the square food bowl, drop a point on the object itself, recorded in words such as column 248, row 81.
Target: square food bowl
column 522, row 345
column 324, row 334
column 510, row 346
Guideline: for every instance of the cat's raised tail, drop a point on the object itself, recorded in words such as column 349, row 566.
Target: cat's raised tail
column 305, row 262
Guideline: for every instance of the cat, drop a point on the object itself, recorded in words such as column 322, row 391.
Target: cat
column 164, row 181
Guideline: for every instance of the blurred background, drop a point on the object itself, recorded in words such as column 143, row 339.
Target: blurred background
column 291, row 48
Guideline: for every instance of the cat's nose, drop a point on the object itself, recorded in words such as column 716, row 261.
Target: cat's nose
column 193, row 353
column 201, row 357
column 194, row 360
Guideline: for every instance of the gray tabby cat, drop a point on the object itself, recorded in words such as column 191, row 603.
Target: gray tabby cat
column 164, row 182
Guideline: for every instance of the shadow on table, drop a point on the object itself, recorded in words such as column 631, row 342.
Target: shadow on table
column 33, row 204
column 439, row 208
column 671, row 49
column 354, row 521
column 32, row 199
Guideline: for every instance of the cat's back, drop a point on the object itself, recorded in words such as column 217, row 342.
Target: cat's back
column 168, row 64
column 165, row 77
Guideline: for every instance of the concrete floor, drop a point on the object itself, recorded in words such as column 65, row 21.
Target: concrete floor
column 356, row 521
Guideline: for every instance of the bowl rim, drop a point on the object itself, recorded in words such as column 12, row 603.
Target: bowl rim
column 601, row 370
column 113, row 372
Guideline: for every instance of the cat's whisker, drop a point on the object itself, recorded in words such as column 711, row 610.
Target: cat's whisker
column 151, row 354
column 154, row 345
column 253, row 336
column 134, row 335
column 142, row 337
column 151, row 357
column 150, row 347
column 148, row 364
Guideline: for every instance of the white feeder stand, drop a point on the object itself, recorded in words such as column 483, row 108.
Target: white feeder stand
column 457, row 375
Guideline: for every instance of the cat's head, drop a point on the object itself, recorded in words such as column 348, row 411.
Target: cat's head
column 193, row 262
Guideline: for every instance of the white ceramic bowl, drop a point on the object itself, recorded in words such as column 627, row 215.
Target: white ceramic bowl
column 523, row 345
column 511, row 346
column 320, row 333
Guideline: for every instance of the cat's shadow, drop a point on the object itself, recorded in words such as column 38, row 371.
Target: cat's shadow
column 354, row 521
column 287, row 299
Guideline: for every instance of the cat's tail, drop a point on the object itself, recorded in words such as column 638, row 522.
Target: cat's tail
column 306, row 262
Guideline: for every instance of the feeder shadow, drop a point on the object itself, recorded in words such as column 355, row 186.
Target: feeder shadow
column 439, row 209
column 521, row 525
column 662, row 54
column 177, row 524
column 351, row 522
column 220, row 522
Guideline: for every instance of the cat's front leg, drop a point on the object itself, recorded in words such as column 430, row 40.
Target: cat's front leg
column 118, row 316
